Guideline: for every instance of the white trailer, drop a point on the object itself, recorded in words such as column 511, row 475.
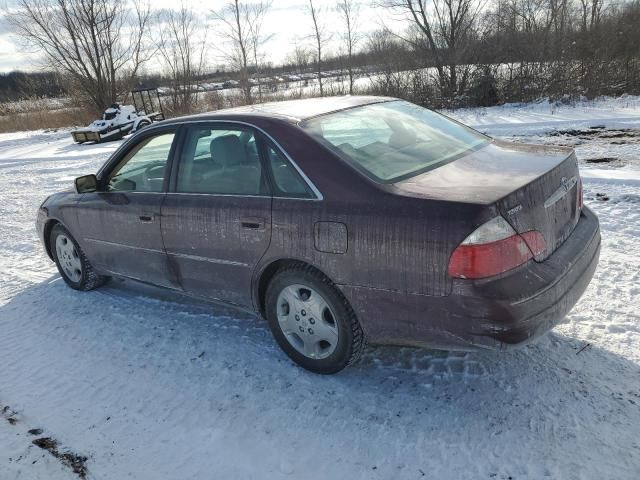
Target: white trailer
column 120, row 120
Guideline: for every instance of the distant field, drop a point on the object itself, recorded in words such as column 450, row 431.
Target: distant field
column 41, row 114
column 52, row 113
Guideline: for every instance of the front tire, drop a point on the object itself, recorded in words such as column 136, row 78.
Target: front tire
column 73, row 265
column 312, row 321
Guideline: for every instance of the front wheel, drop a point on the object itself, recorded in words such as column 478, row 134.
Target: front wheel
column 73, row 265
column 312, row 322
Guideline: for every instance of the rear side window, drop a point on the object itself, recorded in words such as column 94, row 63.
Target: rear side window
column 287, row 180
column 391, row 141
column 221, row 161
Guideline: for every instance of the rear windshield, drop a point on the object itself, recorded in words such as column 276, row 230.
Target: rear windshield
column 394, row 140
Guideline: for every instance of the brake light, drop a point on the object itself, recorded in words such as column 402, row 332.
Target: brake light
column 493, row 248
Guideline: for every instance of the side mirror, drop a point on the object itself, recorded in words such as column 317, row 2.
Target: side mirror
column 86, row 184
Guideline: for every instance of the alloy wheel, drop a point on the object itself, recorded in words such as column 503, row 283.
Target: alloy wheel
column 307, row 321
column 68, row 258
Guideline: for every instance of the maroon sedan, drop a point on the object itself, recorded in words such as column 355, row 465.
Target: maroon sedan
column 342, row 221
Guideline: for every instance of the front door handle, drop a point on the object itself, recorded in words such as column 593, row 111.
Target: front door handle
column 146, row 218
column 255, row 223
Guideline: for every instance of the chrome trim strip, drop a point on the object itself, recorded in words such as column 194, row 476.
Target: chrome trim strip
column 133, row 192
column 114, row 244
column 173, row 254
column 565, row 186
column 307, row 180
column 231, row 195
column 243, row 196
column 208, row 259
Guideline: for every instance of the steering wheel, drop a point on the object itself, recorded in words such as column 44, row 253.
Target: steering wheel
column 153, row 174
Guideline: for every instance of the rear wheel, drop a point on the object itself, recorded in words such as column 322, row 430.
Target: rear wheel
column 72, row 264
column 312, row 321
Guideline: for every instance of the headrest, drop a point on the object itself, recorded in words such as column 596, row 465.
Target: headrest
column 227, row 150
column 402, row 138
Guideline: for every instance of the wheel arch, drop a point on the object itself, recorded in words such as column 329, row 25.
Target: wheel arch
column 268, row 271
column 46, row 234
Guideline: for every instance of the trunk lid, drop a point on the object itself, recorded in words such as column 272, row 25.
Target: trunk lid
column 549, row 204
column 532, row 187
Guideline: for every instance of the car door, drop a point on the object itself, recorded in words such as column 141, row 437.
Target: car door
column 121, row 221
column 216, row 219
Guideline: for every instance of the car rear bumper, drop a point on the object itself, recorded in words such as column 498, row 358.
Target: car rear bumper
column 520, row 306
column 510, row 310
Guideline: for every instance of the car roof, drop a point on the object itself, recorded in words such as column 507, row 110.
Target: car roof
column 292, row 110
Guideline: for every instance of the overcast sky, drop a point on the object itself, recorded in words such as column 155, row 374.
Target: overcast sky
column 288, row 21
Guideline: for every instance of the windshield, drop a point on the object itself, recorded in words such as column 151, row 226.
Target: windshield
column 394, row 140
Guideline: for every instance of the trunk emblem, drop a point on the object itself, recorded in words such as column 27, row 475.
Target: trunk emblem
column 514, row 210
column 566, row 184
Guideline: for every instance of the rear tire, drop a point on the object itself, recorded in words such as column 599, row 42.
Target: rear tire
column 73, row 265
column 312, row 321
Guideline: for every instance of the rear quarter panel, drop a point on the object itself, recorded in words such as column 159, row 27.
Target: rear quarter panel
column 396, row 242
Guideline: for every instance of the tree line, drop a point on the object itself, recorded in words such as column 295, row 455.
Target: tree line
column 435, row 52
column 21, row 85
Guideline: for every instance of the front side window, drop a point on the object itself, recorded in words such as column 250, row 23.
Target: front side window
column 143, row 168
column 394, row 140
column 221, row 161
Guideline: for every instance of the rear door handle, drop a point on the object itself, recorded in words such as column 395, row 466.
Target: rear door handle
column 146, row 218
column 255, row 223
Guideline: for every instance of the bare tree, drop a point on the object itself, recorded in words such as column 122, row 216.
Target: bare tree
column 99, row 44
column 181, row 45
column 320, row 37
column 391, row 77
column 591, row 13
column 349, row 10
column 299, row 58
column 257, row 38
column 241, row 23
column 445, row 28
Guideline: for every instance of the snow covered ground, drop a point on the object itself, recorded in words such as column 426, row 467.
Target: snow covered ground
column 148, row 385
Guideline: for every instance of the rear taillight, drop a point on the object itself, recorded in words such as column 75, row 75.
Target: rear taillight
column 580, row 194
column 494, row 248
